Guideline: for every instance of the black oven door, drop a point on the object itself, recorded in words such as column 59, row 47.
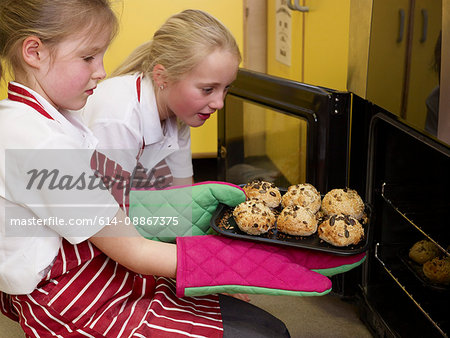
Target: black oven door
column 285, row 132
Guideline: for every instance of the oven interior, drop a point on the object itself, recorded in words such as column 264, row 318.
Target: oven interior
column 408, row 186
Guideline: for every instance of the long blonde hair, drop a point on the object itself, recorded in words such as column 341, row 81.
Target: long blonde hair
column 51, row 21
column 180, row 44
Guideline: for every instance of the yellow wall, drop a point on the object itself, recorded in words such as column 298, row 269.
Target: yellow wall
column 319, row 43
column 326, row 43
column 319, row 56
column 141, row 18
column 293, row 72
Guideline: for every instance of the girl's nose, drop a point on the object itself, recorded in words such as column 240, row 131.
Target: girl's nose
column 217, row 102
column 99, row 73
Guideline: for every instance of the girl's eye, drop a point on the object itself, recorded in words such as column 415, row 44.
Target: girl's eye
column 88, row 58
column 207, row 90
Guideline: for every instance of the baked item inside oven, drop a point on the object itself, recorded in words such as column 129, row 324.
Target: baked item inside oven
column 263, row 191
column 437, row 270
column 296, row 220
column 340, row 230
column 343, row 201
column 303, row 194
column 254, row 217
column 423, row 251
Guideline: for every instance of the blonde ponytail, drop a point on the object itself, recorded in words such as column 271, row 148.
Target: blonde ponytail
column 137, row 62
column 180, row 44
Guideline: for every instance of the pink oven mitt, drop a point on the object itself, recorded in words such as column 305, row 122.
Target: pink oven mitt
column 213, row 264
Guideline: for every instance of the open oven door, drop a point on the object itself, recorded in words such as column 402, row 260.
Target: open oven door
column 285, row 132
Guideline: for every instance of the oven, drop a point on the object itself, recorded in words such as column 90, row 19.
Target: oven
column 288, row 132
column 408, row 181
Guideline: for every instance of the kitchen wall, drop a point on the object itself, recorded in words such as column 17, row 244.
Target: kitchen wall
column 309, row 47
column 141, row 18
column 316, row 42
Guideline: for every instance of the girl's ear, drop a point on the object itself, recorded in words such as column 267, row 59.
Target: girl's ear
column 33, row 51
column 159, row 76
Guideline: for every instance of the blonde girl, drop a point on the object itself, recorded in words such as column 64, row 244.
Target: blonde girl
column 176, row 80
column 63, row 270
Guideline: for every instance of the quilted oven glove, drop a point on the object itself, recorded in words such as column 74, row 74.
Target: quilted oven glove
column 180, row 211
column 215, row 264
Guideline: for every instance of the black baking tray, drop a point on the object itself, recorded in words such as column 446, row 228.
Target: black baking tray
column 417, row 271
column 223, row 222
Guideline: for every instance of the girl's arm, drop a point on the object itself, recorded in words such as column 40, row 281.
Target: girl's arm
column 135, row 252
column 182, row 181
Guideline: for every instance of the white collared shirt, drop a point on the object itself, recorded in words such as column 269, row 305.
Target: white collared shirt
column 34, row 218
column 125, row 119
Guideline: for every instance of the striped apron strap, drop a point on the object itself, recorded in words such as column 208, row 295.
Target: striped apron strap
column 6, row 307
column 114, row 177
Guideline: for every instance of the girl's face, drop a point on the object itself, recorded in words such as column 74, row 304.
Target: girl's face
column 199, row 93
column 71, row 75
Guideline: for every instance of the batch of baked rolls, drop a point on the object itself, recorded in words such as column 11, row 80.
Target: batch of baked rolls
column 435, row 265
column 336, row 218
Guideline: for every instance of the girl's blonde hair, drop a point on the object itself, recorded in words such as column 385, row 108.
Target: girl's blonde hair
column 180, row 44
column 50, row 20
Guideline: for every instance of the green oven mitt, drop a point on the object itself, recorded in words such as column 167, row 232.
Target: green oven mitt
column 180, row 211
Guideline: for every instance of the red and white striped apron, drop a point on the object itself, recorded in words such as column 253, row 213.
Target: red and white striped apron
column 86, row 293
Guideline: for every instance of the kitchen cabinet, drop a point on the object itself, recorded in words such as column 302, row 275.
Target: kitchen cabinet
column 387, row 51
column 381, row 50
column 423, row 77
column 391, row 61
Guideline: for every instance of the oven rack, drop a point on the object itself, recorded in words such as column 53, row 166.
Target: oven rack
column 419, row 301
column 422, row 210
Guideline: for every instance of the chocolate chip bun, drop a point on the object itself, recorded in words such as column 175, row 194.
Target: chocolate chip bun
column 254, row 217
column 423, row 251
column 340, row 230
column 297, row 221
column 263, row 191
column 343, row 201
column 437, row 270
column 304, row 194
